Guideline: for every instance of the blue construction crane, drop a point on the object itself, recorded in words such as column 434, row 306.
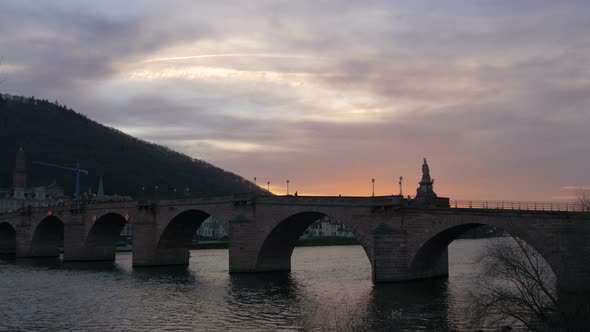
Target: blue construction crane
column 73, row 169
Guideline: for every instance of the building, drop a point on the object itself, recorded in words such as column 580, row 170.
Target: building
column 326, row 227
column 100, row 196
column 210, row 229
column 127, row 233
column 20, row 195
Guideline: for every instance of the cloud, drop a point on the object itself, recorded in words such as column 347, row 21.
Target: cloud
column 67, row 46
column 329, row 94
column 575, row 188
column 228, row 55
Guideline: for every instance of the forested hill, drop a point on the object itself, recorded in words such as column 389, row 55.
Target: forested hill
column 52, row 133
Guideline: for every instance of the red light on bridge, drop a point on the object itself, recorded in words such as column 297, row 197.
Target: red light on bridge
column 49, row 212
column 127, row 217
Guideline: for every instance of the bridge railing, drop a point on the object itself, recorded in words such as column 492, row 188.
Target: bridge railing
column 520, row 205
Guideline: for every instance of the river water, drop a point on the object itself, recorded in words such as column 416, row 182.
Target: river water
column 328, row 289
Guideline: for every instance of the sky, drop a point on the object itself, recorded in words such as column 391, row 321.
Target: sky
column 327, row 94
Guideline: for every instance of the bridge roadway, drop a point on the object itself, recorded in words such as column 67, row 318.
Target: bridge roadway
column 402, row 242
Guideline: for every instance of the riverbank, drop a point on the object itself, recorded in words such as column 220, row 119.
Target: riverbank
column 328, row 241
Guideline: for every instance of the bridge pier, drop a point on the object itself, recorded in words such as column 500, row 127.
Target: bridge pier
column 575, row 305
column 573, row 283
column 75, row 246
column 23, row 241
column 242, row 252
column 74, row 236
column 7, row 239
column 43, row 249
column 392, row 260
column 41, row 239
column 146, row 251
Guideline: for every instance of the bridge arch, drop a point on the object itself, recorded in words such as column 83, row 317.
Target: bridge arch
column 104, row 235
column 47, row 237
column 179, row 232
column 175, row 237
column 7, row 239
column 431, row 254
column 275, row 251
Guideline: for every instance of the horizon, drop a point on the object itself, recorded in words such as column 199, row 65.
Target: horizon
column 328, row 96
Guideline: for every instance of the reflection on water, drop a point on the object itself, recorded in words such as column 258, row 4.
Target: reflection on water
column 330, row 288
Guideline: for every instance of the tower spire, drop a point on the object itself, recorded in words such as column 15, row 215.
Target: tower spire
column 19, row 177
column 100, row 192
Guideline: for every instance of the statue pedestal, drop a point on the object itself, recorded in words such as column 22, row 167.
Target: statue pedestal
column 425, row 195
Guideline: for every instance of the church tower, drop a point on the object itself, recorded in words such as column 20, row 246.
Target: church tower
column 19, row 177
column 100, row 191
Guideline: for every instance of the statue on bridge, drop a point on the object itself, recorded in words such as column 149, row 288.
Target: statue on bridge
column 425, row 172
column 425, row 194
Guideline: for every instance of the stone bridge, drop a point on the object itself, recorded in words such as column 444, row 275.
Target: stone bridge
column 402, row 242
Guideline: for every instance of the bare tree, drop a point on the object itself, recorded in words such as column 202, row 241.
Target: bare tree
column 516, row 286
column 584, row 199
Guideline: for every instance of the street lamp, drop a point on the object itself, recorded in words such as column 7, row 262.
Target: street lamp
column 268, row 186
column 373, row 181
column 287, row 187
column 254, row 180
column 400, row 186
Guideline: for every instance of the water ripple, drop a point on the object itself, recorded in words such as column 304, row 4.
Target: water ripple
column 329, row 288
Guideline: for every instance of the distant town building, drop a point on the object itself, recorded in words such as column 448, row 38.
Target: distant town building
column 326, row 227
column 127, row 232
column 210, row 229
column 100, row 196
column 20, row 195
